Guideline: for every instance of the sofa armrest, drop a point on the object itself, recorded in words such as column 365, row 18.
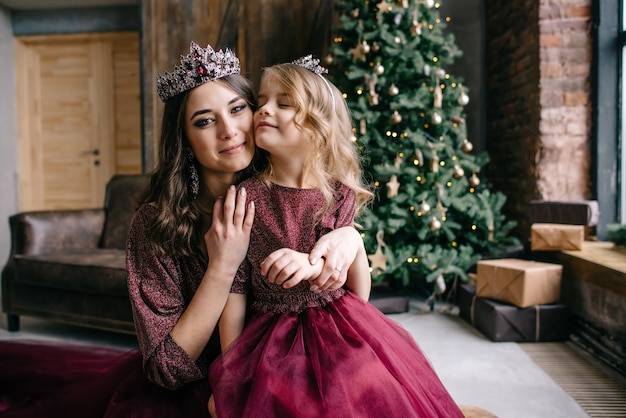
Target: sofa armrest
column 56, row 231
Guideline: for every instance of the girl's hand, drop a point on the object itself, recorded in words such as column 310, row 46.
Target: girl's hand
column 229, row 235
column 287, row 268
column 211, row 407
column 338, row 249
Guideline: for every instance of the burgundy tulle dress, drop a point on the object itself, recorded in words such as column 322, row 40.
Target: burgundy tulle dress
column 59, row 379
column 306, row 354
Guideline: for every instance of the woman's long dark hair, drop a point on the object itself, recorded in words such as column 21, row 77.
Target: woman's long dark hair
column 177, row 230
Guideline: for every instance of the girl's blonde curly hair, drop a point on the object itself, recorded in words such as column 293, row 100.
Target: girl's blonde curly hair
column 322, row 115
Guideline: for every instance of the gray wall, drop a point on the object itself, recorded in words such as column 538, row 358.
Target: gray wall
column 8, row 132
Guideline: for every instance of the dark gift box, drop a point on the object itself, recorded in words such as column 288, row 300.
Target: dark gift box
column 504, row 322
column 389, row 301
column 584, row 212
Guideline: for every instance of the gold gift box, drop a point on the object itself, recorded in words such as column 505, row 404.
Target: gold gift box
column 519, row 282
column 556, row 237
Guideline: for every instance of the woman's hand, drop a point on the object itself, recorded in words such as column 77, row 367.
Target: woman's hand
column 227, row 243
column 228, row 237
column 337, row 250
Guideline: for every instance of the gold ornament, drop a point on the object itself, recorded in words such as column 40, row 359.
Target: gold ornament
column 373, row 98
column 328, row 59
column 393, row 90
column 437, row 103
column 375, row 47
column 429, row 3
column 378, row 259
column 396, row 118
column 463, row 99
column 354, row 13
column 424, row 208
column 363, row 126
column 458, row 171
column 379, row 69
column 383, row 6
column 436, row 119
column 393, row 186
column 416, row 28
column 371, row 82
column 365, row 48
column 357, row 53
column 435, row 224
column 467, row 146
column 434, row 163
column 474, row 181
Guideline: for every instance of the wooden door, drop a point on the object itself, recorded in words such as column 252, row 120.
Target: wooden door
column 79, row 117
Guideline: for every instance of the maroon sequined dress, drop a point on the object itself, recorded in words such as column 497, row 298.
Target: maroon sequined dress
column 317, row 355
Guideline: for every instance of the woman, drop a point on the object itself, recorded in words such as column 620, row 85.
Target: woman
column 184, row 247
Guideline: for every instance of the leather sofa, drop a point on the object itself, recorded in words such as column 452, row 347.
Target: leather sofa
column 69, row 265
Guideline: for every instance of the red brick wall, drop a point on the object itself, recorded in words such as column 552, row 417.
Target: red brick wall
column 538, row 59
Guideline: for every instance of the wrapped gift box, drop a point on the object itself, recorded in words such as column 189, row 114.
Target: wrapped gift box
column 585, row 212
column 504, row 322
column 556, row 237
column 520, row 282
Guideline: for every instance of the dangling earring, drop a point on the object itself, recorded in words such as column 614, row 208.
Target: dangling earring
column 195, row 180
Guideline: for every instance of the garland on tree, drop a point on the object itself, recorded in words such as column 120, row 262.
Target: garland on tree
column 433, row 217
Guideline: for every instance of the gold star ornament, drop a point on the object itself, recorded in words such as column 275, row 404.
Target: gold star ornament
column 378, row 259
column 392, row 186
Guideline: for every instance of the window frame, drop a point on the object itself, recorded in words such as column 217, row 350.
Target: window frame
column 609, row 175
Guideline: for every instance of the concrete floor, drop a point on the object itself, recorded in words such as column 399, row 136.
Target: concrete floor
column 498, row 377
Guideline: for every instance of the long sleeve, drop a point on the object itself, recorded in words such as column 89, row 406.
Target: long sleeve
column 160, row 289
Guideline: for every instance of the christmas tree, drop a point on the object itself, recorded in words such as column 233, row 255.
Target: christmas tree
column 434, row 215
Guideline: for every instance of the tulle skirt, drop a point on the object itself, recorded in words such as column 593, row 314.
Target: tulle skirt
column 50, row 379
column 342, row 360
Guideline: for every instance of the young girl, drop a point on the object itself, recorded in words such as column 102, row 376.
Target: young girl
column 306, row 353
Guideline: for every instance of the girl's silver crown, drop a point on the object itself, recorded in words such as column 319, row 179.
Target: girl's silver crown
column 311, row 64
column 196, row 68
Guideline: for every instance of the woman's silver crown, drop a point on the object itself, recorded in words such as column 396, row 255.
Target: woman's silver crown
column 196, row 68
